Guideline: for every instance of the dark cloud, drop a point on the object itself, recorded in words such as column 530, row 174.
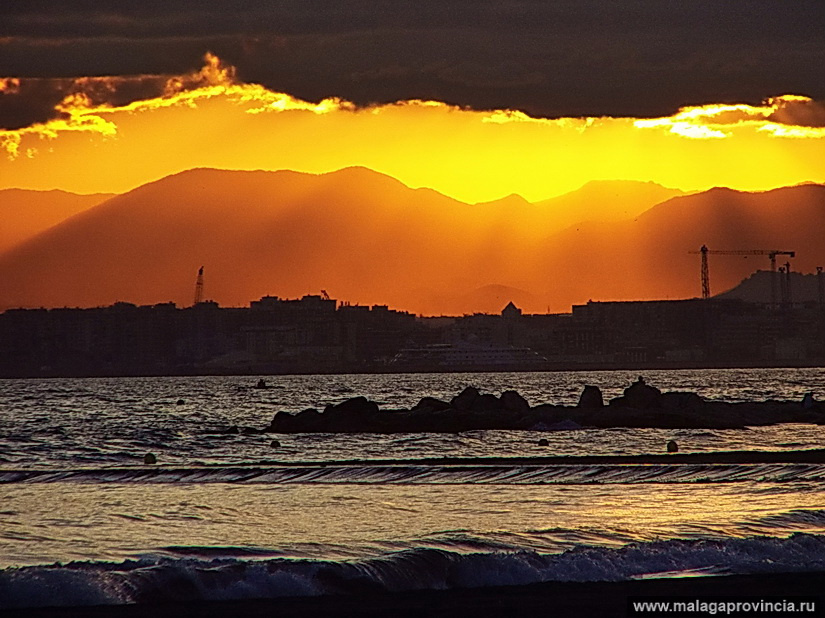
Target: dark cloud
column 800, row 113
column 562, row 58
column 33, row 100
column 36, row 99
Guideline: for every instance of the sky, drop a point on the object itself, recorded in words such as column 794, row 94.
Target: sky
column 477, row 100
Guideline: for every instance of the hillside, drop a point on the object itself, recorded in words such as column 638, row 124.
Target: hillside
column 758, row 288
column 26, row 213
column 367, row 238
column 606, row 200
column 648, row 258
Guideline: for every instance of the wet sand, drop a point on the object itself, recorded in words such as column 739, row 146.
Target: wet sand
column 593, row 599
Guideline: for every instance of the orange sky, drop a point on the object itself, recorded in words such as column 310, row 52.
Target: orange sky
column 469, row 155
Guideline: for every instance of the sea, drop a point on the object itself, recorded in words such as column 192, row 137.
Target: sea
column 84, row 521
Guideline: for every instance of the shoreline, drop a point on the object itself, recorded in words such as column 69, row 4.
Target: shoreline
column 273, row 371
column 577, row 599
column 281, row 371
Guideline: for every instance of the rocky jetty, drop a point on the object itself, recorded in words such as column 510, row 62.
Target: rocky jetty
column 641, row 405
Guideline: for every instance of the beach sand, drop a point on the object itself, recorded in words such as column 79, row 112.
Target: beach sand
column 591, row 599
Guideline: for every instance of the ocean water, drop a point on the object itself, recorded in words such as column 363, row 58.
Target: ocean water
column 84, row 521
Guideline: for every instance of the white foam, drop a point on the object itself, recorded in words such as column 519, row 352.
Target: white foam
column 168, row 579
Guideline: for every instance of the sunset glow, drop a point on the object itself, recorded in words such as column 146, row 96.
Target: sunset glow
column 210, row 119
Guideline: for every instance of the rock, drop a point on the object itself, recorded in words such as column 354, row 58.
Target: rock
column 512, row 401
column 355, row 405
column 261, row 384
column 308, row 420
column 180, row 402
column 544, row 442
column 149, row 458
column 678, row 400
column 232, row 429
column 565, row 425
column 591, row 397
column 431, row 403
column 639, row 395
column 808, row 401
column 275, row 444
column 672, row 447
column 486, row 404
column 464, row 400
column 641, row 406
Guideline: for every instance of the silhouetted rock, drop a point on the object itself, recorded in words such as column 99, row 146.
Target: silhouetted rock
column 430, row 403
column 275, row 444
column 306, row 421
column 565, row 425
column 677, row 400
column 486, row 403
column 672, row 447
column 149, row 459
column 639, row 395
column 808, row 401
column 544, row 442
column 464, row 400
column 353, row 406
column 591, row 397
column 225, row 431
column 180, row 402
column 641, row 406
column 513, row 402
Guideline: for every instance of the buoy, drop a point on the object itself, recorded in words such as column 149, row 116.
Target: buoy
column 544, row 442
column 149, row 458
column 180, row 402
column 274, row 444
column 672, row 447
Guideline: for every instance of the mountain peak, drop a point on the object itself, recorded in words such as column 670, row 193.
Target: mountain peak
column 514, row 200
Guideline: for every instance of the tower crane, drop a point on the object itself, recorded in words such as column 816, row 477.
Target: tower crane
column 199, row 286
column 771, row 253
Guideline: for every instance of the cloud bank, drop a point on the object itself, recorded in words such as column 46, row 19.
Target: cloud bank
column 114, row 133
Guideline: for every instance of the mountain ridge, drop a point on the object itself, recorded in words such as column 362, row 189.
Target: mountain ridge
column 28, row 212
column 352, row 232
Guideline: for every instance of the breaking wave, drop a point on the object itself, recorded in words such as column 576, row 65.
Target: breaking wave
column 166, row 579
column 432, row 474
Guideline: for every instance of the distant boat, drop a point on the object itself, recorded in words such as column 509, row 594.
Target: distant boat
column 467, row 356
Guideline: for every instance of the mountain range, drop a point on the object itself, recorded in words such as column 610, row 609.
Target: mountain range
column 27, row 213
column 367, row 238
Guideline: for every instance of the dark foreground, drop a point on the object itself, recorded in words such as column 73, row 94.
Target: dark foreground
column 546, row 599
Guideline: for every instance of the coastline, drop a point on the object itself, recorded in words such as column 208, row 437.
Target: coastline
column 269, row 370
column 577, row 599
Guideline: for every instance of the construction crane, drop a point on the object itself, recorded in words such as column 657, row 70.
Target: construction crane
column 324, row 295
column 785, row 294
column 199, row 286
column 771, row 253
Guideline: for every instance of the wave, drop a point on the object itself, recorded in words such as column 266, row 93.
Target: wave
column 164, row 579
column 432, row 474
